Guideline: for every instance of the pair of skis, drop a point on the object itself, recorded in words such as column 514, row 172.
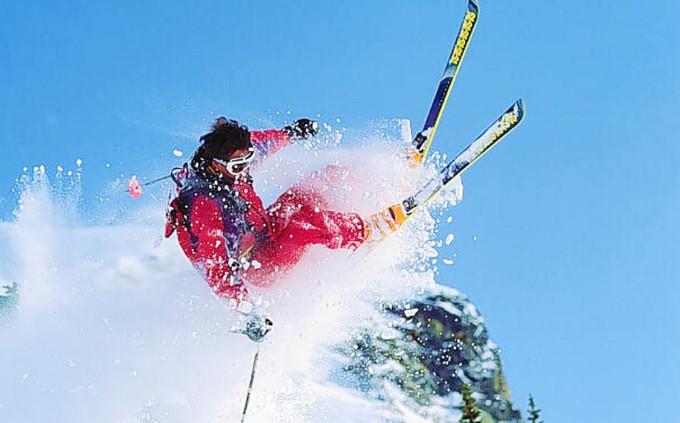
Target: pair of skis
column 390, row 219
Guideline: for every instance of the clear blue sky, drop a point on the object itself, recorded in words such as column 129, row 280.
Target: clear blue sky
column 576, row 261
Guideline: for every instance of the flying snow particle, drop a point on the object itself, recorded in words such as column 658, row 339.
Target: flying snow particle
column 177, row 153
column 449, row 219
column 474, row 238
column 256, row 264
column 410, row 312
column 388, row 334
column 79, row 162
column 447, row 261
column 449, row 239
column 245, row 307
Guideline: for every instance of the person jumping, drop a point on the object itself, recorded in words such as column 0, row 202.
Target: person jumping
column 228, row 234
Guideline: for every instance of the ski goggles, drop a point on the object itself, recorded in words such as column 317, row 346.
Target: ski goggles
column 236, row 166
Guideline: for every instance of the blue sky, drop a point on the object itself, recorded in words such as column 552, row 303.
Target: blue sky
column 567, row 238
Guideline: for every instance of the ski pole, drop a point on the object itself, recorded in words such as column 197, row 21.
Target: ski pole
column 162, row 178
column 250, row 385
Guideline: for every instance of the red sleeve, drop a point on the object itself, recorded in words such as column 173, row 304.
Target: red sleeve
column 211, row 252
column 270, row 141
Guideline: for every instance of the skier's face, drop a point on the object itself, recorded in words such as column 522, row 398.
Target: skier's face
column 235, row 165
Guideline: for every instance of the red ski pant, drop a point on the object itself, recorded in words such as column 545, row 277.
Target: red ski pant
column 299, row 218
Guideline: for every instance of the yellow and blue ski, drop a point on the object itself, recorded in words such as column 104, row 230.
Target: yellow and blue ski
column 391, row 218
column 420, row 146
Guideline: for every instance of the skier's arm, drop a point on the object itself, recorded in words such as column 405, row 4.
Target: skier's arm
column 270, row 141
column 208, row 227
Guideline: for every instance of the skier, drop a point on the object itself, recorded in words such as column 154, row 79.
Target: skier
column 231, row 238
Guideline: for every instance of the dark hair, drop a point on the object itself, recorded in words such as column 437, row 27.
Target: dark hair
column 227, row 136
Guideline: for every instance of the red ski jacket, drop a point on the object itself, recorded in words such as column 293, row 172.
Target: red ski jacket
column 227, row 233
column 217, row 224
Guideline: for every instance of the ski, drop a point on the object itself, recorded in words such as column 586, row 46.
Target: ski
column 423, row 140
column 391, row 218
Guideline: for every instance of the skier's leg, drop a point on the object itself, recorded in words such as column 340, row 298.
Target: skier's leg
column 324, row 182
column 320, row 189
column 315, row 191
column 298, row 222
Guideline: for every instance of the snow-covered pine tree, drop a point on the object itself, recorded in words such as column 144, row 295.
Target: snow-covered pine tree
column 534, row 413
column 471, row 413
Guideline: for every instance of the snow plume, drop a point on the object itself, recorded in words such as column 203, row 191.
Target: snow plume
column 109, row 325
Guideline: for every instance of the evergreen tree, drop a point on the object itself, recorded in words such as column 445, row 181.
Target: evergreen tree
column 534, row 413
column 471, row 413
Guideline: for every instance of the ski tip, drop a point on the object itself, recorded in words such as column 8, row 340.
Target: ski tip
column 473, row 6
column 521, row 108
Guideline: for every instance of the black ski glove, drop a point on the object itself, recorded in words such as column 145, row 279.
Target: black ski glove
column 257, row 326
column 302, row 128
